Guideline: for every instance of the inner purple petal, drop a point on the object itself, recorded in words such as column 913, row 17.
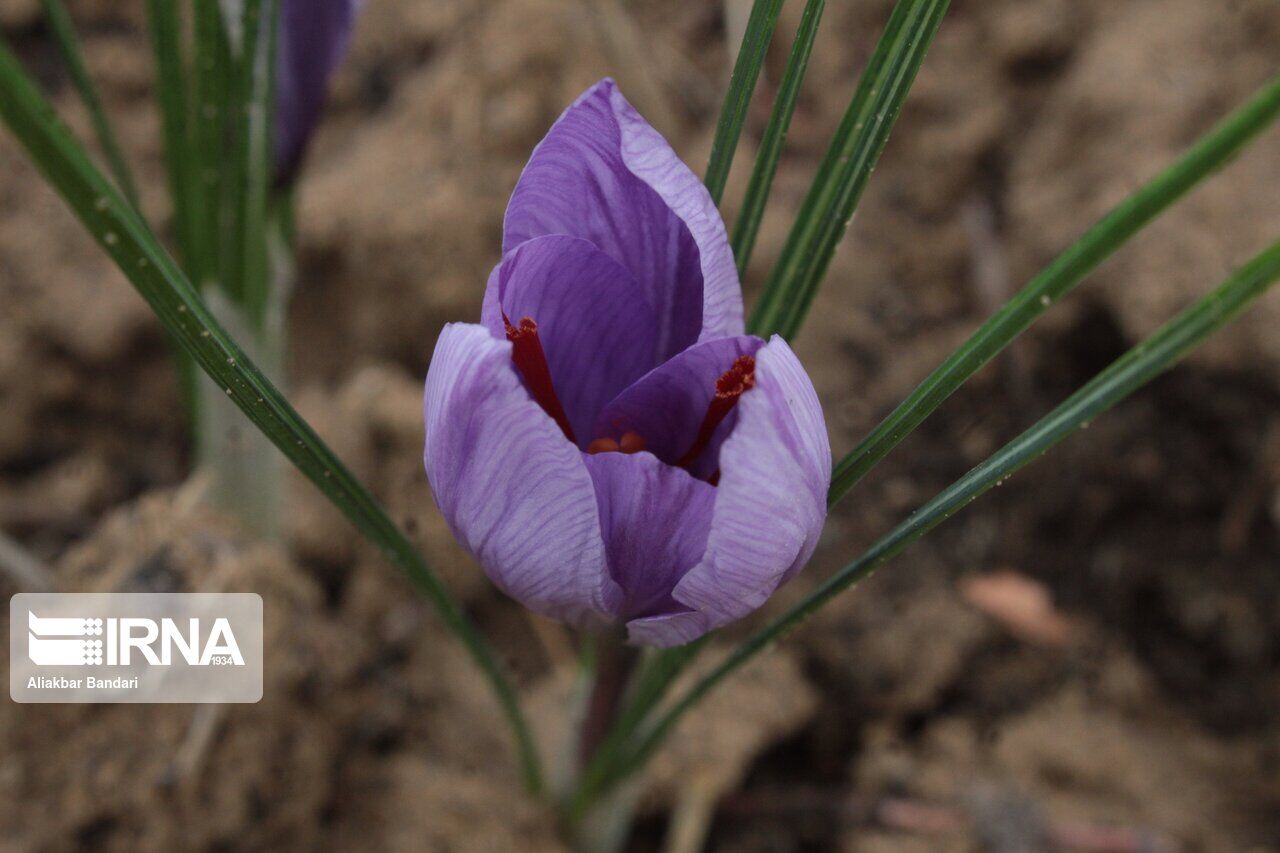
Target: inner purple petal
column 577, row 182
column 667, row 405
column 598, row 333
column 655, row 520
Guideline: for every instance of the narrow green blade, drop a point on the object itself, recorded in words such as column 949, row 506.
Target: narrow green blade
column 1204, row 158
column 247, row 173
column 64, row 33
column 135, row 250
column 747, row 225
column 165, row 23
column 212, row 77
column 843, row 174
column 733, row 114
column 1124, row 376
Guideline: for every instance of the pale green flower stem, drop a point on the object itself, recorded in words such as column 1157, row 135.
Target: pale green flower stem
column 245, row 471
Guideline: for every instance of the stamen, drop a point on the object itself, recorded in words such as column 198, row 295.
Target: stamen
column 731, row 385
column 603, row 445
column 631, row 442
column 527, row 353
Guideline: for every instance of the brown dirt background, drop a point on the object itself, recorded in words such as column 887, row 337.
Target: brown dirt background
column 903, row 717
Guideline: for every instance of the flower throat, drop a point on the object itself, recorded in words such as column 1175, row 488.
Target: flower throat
column 531, row 360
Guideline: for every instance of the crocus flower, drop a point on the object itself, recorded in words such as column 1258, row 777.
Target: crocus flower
column 314, row 35
column 607, row 442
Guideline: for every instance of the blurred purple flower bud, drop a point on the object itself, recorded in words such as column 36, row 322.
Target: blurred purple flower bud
column 314, row 35
column 607, row 441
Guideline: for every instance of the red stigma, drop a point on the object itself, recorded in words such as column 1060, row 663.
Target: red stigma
column 731, row 385
column 529, row 358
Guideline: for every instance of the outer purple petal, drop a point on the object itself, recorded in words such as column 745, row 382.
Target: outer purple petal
column 514, row 492
column 770, row 503
column 314, row 35
column 667, row 405
column 596, row 329
column 604, row 174
column 654, row 519
column 669, row 629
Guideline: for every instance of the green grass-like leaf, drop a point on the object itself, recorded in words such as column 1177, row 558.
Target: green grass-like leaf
column 848, row 164
column 213, row 81
column 64, row 34
column 746, row 71
column 1125, row 375
column 247, row 173
column 1204, row 158
column 747, row 225
column 164, row 21
column 126, row 239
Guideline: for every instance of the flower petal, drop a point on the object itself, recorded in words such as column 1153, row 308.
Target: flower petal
column 604, row 174
column 654, row 519
column 597, row 331
column 770, row 503
column 668, row 629
column 514, row 492
column 314, row 35
column 667, row 404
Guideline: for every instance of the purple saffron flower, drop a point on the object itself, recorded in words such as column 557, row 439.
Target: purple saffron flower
column 314, row 35
column 607, row 441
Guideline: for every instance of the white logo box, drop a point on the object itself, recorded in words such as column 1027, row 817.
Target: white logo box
column 135, row 647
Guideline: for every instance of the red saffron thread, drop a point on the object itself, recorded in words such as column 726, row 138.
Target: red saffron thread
column 731, row 385
column 531, row 360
